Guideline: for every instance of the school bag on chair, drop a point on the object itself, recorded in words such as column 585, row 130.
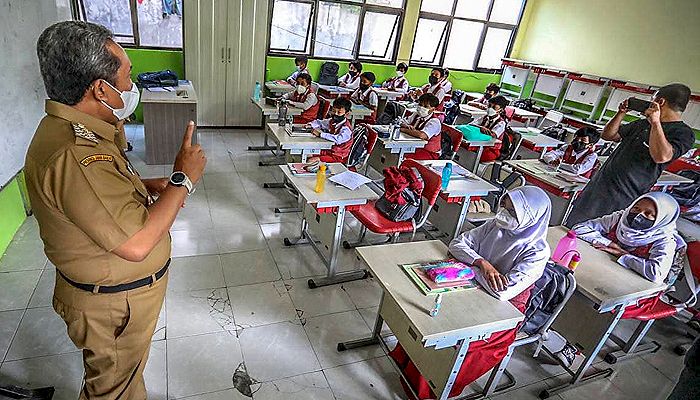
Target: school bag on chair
column 401, row 200
column 509, row 144
column 329, row 74
column 557, row 132
column 392, row 111
column 452, row 107
column 549, row 291
column 358, row 152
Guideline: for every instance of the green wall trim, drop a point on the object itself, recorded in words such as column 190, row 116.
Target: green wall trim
column 148, row 60
column 12, row 213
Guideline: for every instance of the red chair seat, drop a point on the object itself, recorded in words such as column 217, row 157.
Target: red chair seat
column 370, row 217
column 649, row 309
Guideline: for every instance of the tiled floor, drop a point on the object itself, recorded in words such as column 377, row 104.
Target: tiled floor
column 238, row 303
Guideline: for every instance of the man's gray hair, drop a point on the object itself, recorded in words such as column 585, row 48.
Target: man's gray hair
column 72, row 55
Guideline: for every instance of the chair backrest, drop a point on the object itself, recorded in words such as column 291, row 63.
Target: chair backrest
column 431, row 181
column 548, row 297
column 371, row 140
column 495, row 174
column 324, row 107
column 510, row 111
column 455, row 135
column 551, row 118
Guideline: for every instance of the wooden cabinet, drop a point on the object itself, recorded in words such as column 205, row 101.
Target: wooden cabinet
column 224, row 44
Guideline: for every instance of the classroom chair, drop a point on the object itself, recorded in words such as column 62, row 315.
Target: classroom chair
column 374, row 221
column 692, row 332
column 540, row 336
column 502, row 179
column 550, row 119
column 371, row 137
column 455, row 136
column 323, row 107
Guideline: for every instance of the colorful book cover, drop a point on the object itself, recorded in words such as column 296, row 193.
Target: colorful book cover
column 419, row 275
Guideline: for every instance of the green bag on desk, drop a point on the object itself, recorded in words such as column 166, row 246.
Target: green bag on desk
column 473, row 133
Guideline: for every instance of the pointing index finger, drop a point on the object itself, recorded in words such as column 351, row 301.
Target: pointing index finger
column 187, row 139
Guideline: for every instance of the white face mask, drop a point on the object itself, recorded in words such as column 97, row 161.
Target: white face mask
column 423, row 112
column 491, row 112
column 130, row 99
column 505, row 221
column 301, row 89
column 299, row 68
column 399, row 73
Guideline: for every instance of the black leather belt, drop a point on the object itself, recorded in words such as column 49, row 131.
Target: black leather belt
column 119, row 288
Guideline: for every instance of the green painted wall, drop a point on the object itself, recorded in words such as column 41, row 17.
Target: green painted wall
column 12, row 212
column 145, row 60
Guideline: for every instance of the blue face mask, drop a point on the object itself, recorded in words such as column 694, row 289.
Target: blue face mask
column 639, row 222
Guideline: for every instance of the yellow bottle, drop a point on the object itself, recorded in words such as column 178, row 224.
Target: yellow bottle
column 320, row 178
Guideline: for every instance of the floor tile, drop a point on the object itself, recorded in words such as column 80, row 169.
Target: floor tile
column 318, row 301
column 529, row 392
column 288, row 343
column 230, row 217
column 195, row 273
column 22, row 255
column 261, row 304
column 192, row 243
column 41, row 333
column 370, row 379
column 312, row 386
column 266, row 213
column 654, row 385
column 326, row 331
column 370, row 316
column 193, row 218
column 298, row 261
column 43, row 293
column 228, row 394
column 202, row 363
column 227, row 180
column 240, row 238
column 17, row 288
column 161, row 326
column 248, row 267
column 64, row 372
column 156, row 372
column 364, row 293
column 226, row 198
column 9, row 322
column 197, row 312
column 600, row 389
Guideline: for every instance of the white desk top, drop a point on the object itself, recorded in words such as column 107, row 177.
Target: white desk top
column 545, row 173
column 474, row 95
column 359, row 110
column 465, row 314
column 279, row 86
column 403, row 142
column 540, row 140
column 688, row 229
column 471, row 110
column 388, row 94
column 335, row 89
column 583, row 121
column 669, row 178
column 183, row 93
column 333, row 195
column 480, row 143
column 268, row 109
column 287, row 142
column 463, row 187
column 601, row 279
column 520, row 112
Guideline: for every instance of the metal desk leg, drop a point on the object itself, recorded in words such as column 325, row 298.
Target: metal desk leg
column 462, row 216
column 332, row 263
column 369, row 341
column 402, row 153
column 569, row 206
column 285, row 210
column 462, row 348
column 479, row 152
column 302, row 237
column 265, row 146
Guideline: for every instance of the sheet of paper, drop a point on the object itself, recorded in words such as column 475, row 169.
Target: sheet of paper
column 349, row 179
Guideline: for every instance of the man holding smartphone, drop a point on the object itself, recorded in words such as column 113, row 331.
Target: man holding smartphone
column 646, row 148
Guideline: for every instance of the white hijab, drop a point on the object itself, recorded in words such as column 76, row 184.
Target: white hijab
column 506, row 248
column 667, row 212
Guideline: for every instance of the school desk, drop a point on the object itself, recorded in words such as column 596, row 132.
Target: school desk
column 359, row 111
column 474, row 95
column 526, row 116
column 304, row 146
column 452, row 205
column 271, row 114
column 323, row 220
column 279, row 87
column 385, row 96
column 470, row 152
column 437, row 345
column 392, row 151
column 666, row 181
column 331, row 92
column 604, row 289
column 474, row 112
column 537, row 142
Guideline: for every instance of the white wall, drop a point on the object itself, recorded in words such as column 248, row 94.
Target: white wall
column 21, row 88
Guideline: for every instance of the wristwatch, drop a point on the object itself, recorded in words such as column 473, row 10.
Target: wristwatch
column 178, row 178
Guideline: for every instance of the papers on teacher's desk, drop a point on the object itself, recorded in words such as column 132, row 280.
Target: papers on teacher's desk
column 160, row 89
column 349, row 179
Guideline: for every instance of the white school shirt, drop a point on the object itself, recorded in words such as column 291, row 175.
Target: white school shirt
column 437, row 89
column 293, row 77
column 368, row 94
column 397, row 83
column 581, row 168
column 349, row 81
column 310, row 101
column 340, row 136
column 432, row 127
column 661, row 254
column 498, row 129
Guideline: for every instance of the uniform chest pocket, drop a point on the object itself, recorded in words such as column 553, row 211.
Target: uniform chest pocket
column 127, row 170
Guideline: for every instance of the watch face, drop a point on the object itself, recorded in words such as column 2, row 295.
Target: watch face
column 177, row 178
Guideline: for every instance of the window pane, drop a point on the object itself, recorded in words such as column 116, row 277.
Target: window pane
column 506, row 11
column 336, row 29
column 160, row 23
column 290, row 26
column 474, row 9
column 495, row 46
column 114, row 14
column 464, row 39
column 437, row 6
column 379, row 35
column 427, row 44
column 388, row 3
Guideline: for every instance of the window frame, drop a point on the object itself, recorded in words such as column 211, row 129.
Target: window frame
column 78, row 14
column 448, row 31
column 364, row 8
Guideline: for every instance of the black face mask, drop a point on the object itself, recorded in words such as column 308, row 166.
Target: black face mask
column 639, row 222
column 363, row 87
column 432, row 79
column 578, row 146
column 352, row 73
column 487, row 96
column 338, row 118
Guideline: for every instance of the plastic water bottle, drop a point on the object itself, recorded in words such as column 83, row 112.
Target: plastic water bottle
column 282, row 112
column 320, row 179
column 566, row 249
column 256, row 93
column 446, row 174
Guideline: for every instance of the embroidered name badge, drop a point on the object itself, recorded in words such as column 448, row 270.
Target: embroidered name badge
column 96, row 157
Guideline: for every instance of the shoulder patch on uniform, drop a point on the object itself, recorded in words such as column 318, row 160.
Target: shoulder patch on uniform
column 96, row 157
column 81, row 131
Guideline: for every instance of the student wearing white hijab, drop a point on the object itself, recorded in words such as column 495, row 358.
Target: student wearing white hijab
column 643, row 236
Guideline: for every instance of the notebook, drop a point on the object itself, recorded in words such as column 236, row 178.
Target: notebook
column 419, row 276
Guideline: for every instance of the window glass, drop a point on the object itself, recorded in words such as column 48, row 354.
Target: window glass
column 387, row 3
column 506, row 11
column 428, row 42
column 290, row 26
column 495, row 47
column 379, row 33
column 443, row 7
column 114, row 14
column 474, row 9
column 464, row 40
column 160, row 23
column 336, row 29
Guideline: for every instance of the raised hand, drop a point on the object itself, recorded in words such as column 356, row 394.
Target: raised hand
column 191, row 158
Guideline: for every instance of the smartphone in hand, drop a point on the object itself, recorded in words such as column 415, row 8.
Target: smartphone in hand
column 636, row 104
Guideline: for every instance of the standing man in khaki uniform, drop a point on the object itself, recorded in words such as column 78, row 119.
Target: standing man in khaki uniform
column 99, row 223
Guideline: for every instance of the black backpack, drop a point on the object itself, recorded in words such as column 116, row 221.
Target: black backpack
column 157, row 79
column 329, row 74
column 392, row 111
column 688, row 194
column 547, row 294
column 509, row 144
column 358, row 152
column 557, row 132
column 452, row 107
column 409, row 211
column 446, row 150
column 525, row 104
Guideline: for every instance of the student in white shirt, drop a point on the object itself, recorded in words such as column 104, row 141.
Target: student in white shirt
column 437, row 85
column 494, row 123
column 398, row 83
column 351, row 80
column 304, row 97
column 491, row 91
column 423, row 124
column 579, row 156
column 336, row 129
column 300, row 62
column 366, row 95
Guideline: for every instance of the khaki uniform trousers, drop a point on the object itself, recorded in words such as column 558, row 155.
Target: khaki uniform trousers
column 114, row 331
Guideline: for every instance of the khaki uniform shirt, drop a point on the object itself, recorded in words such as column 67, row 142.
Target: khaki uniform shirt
column 87, row 198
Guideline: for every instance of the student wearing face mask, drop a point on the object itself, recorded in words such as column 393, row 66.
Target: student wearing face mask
column 437, row 85
column 494, row 123
column 509, row 254
column 579, row 157
column 336, row 129
column 304, row 97
column 351, row 80
column 491, row 91
column 300, row 62
column 423, row 124
column 398, row 83
column 365, row 95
